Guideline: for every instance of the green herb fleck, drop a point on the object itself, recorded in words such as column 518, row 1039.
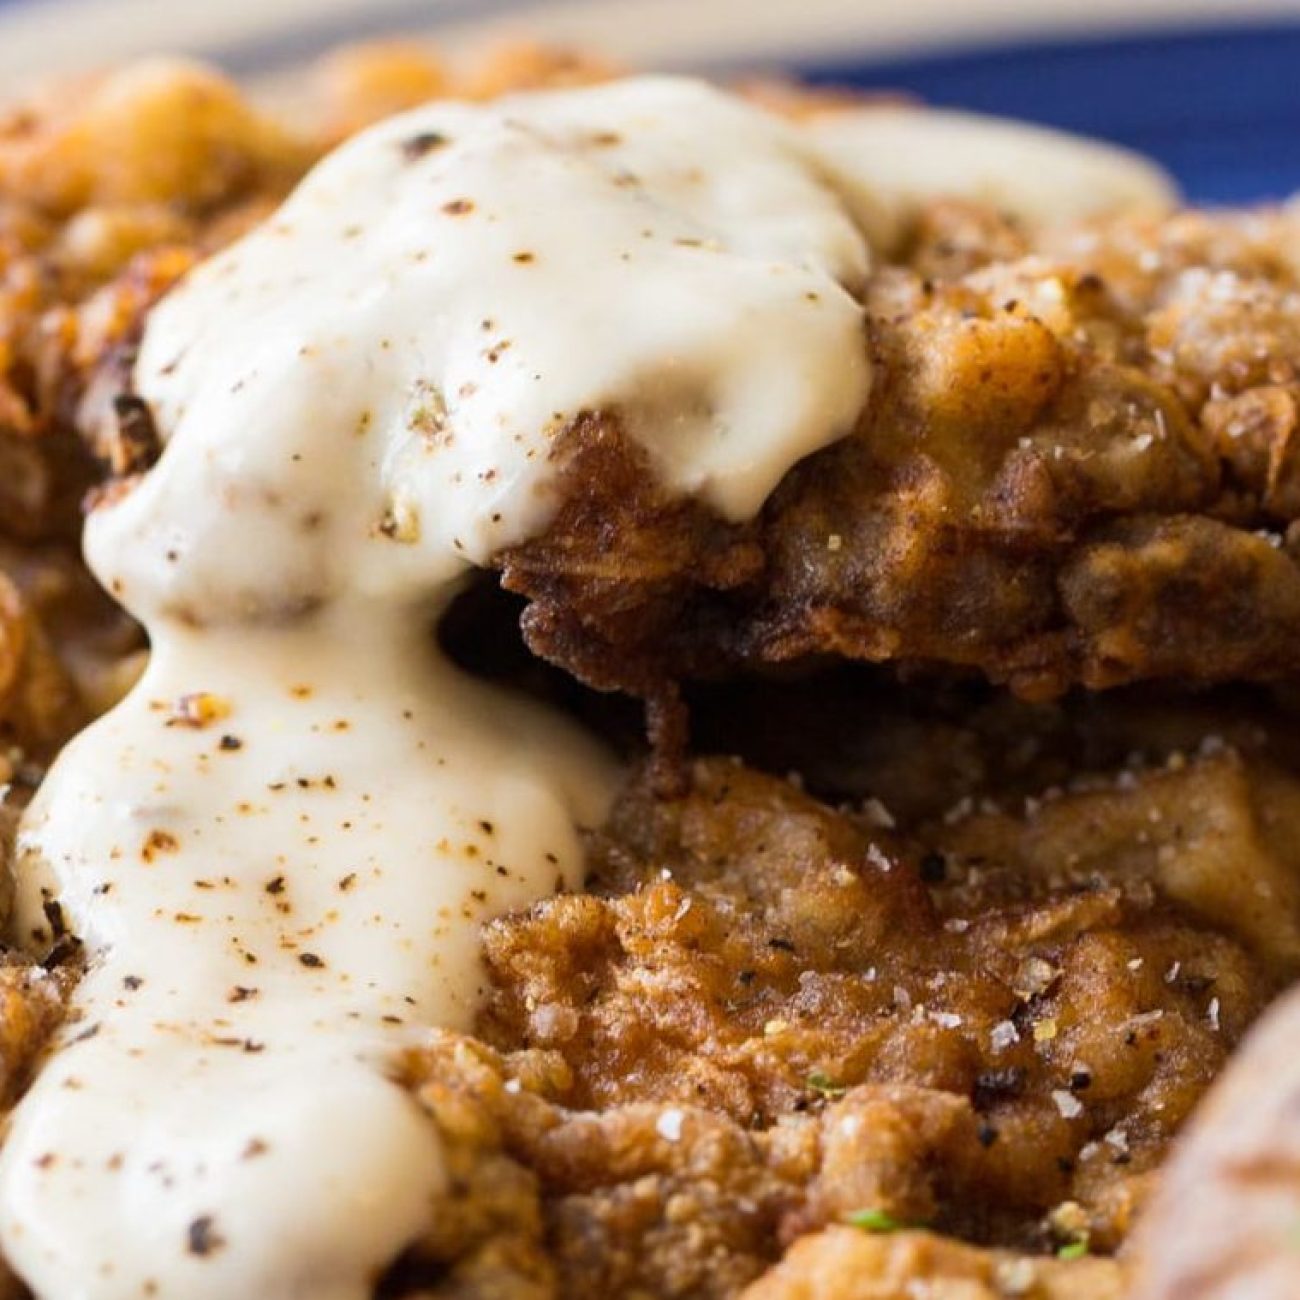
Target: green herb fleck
column 823, row 1083
column 875, row 1221
column 1075, row 1249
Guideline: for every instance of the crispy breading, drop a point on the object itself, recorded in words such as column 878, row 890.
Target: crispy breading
column 772, row 1040
column 39, row 704
column 110, row 189
column 1075, row 467
column 32, row 1003
column 1077, row 458
column 647, row 1201
column 840, row 1264
column 1027, row 1029
column 361, row 84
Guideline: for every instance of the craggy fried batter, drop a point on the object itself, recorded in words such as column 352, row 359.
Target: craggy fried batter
column 779, row 1051
column 109, row 191
column 1075, row 467
column 361, row 84
column 991, row 1025
column 41, row 706
column 840, row 1264
column 31, row 1008
column 1063, row 476
column 643, row 1202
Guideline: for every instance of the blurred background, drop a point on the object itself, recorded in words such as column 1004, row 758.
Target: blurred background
column 1209, row 87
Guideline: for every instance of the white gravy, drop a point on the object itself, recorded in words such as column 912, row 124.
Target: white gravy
column 888, row 158
column 278, row 849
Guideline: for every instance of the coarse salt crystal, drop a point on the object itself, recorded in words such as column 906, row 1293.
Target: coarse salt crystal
column 1067, row 1103
column 669, row 1125
column 1003, row 1035
column 876, row 856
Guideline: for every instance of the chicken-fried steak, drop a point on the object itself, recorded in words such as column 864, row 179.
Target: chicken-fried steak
column 1077, row 466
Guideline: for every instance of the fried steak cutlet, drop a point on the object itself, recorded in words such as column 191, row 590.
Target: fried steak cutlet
column 779, row 1047
column 1075, row 468
column 1076, row 465
column 781, row 1050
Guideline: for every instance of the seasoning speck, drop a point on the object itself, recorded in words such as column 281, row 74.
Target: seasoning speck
column 157, row 842
column 198, row 709
column 823, row 1084
column 874, row 1221
column 417, row 146
column 202, row 1238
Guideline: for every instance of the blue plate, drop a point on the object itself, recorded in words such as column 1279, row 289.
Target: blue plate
column 1220, row 107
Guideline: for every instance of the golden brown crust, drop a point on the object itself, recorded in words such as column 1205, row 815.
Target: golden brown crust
column 841, row 1264
column 31, row 1008
column 1076, row 467
column 760, row 1021
column 110, row 188
column 1025, row 1033
column 40, row 706
column 553, row 1203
